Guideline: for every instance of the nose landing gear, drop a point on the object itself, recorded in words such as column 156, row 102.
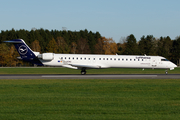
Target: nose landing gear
column 166, row 72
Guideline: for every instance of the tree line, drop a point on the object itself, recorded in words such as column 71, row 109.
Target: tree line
column 84, row 42
column 149, row 45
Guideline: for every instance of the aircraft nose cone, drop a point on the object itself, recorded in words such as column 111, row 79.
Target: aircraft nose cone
column 175, row 65
column 172, row 66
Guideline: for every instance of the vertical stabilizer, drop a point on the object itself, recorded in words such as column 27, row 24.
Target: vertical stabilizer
column 24, row 51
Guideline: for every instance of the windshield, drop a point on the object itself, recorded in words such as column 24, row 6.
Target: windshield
column 164, row 60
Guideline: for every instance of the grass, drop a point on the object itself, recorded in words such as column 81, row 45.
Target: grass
column 90, row 99
column 56, row 70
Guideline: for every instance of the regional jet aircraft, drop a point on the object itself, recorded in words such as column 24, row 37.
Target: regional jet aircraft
column 86, row 61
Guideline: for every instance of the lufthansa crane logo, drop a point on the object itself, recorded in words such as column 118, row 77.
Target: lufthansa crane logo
column 23, row 50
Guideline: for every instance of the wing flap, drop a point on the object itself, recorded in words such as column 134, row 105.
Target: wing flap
column 69, row 66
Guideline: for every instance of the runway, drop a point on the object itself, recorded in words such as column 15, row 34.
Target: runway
column 90, row 76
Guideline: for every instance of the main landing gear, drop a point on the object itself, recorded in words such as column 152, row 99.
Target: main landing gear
column 166, row 72
column 83, row 71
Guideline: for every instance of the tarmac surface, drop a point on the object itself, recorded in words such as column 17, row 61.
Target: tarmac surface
column 89, row 76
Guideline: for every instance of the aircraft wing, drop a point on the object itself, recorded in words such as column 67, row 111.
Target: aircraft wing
column 85, row 65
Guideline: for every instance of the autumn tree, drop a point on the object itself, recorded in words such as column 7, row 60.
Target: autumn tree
column 99, row 46
column 4, row 56
column 12, row 57
column 35, row 46
column 73, row 47
column 52, row 46
column 62, row 45
column 83, row 47
column 121, row 48
column 109, row 46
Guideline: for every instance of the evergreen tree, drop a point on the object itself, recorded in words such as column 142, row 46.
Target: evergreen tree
column 164, row 47
column 176, row 50
column 131, row 46
column 146, row 45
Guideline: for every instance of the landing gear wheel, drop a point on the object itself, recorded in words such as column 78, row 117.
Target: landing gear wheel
column 83, row 72
column 166, row 72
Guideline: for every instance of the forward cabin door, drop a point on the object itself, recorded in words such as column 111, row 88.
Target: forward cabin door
column 154, row 63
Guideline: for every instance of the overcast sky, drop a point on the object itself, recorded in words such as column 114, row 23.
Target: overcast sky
column 111, row 18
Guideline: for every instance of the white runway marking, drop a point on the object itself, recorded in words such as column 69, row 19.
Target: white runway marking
column 99, row 76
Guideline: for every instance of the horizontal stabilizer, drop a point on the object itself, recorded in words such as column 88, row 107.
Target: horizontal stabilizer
column 12, row 41
column 19, row 58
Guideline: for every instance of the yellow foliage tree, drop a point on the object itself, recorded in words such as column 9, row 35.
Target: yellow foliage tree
column 83, row 47
column 35, row 46
column 52, row 46
column 62, row 45
column 73, row 47
column 109, row 46
column 4, row 54
column 99, row 46
column 11, row 57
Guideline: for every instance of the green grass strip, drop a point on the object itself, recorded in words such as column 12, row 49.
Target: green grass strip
column 56, row 70
column 90, row 99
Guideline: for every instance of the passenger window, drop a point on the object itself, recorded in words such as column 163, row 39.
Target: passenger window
column 88, row 58
column 69, row 58
column 77, row 58
column 118, row 58
column 65, row 58
column 103, row 58
column 94, row 59
column 84, row 58
column 61, row 57
column 99, row 58
column 110, row 58
column 114, row 58
column 107, row 58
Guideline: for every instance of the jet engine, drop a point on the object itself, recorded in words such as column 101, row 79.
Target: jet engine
column 46, row 56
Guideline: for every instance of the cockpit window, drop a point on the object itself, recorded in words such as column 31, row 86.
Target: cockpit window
column 164, row 60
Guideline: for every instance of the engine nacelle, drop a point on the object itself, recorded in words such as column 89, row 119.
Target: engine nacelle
column 46, row 56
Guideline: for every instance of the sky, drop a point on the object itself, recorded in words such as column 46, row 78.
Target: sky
column 111, row 18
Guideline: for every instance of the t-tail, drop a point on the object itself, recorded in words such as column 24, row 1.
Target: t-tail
column 25, row 52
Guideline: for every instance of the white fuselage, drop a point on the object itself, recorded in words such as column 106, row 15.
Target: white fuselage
column 78, row 61
column 85, row 61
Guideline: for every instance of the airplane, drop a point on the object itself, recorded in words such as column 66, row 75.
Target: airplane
column 90, row 61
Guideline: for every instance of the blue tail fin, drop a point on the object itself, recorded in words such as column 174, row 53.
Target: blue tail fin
column 24, row 51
